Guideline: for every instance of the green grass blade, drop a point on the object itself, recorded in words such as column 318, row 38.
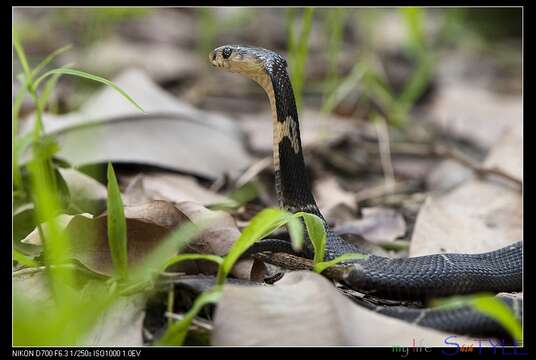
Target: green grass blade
column 50, row 85
column 295, row 229
column 117, row 227
column 22, row 56
column 17, row 178
column 49, row 58
column 334, row 24
column 264, row 223
column 298, row 49
column 321, row 266
column 414, row 21
column 345, row 87
column 317, row 234
column 23, row 259
column 176, row 333
column 85, row 75
column 488, row 305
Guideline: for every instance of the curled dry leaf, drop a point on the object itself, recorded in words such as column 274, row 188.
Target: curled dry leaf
column 147, row 225
column 305, row 309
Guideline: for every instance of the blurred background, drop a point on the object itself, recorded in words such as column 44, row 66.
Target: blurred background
column 429, row 74
column 395, row 48
column 405, row 77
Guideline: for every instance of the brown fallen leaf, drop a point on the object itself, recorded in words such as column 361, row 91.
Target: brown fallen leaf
column 218, row 239
column 478, row 215
column 447, row 175
column 109, row 128
column 463, row 110
column 169, row 187
column 304, row 309
column 335, row 203
column 86, row 193
column 378, row 225
column 147, row 225
column 121, row 324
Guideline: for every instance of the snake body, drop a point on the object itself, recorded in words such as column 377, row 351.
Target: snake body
column 414, row 278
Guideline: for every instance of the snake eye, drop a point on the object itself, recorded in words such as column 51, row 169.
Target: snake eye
column 226, row 52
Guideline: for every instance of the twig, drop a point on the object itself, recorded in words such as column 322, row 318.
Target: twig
column 254, row 170
column 477, row 167
column 292, row 262
column 34, row 270
column 379, row 191
column 197, row 324
column 385, row 152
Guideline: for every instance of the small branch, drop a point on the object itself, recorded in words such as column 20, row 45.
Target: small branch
column 292, row 262
column 197, row 324
column 254, row 170
column 385, row 152
column 481, row 170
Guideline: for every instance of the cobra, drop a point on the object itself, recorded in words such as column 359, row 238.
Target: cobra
column 413, row 278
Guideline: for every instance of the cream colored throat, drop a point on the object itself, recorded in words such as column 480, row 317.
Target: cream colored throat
column 287, row 128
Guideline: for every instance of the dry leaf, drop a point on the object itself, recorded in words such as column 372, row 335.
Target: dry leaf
column 464, row 111
column 109, row 128
column 334, row 202
column 304, row 309
column 87, row 193
column 147, row 225
column 477, row 216
column 378, row 225
column 219, row 237
column 121, row 324
column 170, row 187
column 447, row 175
column 62, row 221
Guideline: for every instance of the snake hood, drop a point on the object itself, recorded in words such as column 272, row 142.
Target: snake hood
column 269, row 70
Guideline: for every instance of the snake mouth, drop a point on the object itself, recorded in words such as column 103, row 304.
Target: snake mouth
column 214, row 59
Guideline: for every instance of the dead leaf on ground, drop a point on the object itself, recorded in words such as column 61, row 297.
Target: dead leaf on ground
column 121, row 324
column 477, row 216
column 335, row 203
column 33, row 286
column 447, row 175
column 464, row 110
column 378, row 225
column 305, row 309
column 218, row 239
column 86, row 192
column 147, row 225
column 109, row 128
column 169, row 187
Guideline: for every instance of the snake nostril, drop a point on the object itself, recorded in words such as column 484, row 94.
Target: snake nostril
column 212, row 56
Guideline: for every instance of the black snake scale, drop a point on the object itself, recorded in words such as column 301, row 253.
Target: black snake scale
column 415, row 278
